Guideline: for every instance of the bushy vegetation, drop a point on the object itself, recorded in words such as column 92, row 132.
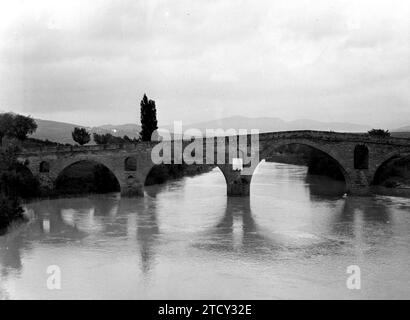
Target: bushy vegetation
column 15, row 181
column 379, row 133
column 32, row 143
column 81, row 136
column 10, row 210
column 14, row 184
column 16, row 126
column 108, row 138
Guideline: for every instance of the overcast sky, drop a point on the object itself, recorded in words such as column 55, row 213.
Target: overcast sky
column 90, row 62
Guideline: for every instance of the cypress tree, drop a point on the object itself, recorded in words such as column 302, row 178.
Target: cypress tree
column 149, row 121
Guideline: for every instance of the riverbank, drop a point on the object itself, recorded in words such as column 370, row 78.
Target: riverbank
column 403, row 192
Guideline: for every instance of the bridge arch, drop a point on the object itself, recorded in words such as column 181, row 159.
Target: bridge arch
column 66, row 165
column 269, row 147
column 382, row 164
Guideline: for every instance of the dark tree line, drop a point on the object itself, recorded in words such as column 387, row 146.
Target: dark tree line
column 16, row 126
column 14, row 183
column 379, row 133
column 108, row 138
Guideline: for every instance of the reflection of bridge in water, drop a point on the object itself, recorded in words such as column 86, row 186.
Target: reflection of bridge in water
column 358, row 156
column 87, row 221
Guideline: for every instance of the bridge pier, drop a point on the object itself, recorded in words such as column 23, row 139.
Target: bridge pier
column 359, row 184
column 131, row 187
column 237, row 185
column 135, row 191
column 47, row 182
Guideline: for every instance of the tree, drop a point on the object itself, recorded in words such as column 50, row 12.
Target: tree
column 101, row 138
column 11, row 183
column 6, row 121
column 149, row 121
column 81, row 136
column 23, row 126
column 16, row 126
column 10, row 210
column 379, row 133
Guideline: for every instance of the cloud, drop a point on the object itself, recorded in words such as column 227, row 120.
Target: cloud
column 201, row 59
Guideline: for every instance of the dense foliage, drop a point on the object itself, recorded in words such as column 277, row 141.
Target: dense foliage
column 379, row 133
column 35, row 143
column 10, row 210
column 108, row 138
column 15, row 180
column 16, row 126
column 81, row 136
column 149, row 121
column 13, row 185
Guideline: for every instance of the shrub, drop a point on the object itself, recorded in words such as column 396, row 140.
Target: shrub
column 379, row 133
column 10, row 210
column 108, row 138
column 81, row 136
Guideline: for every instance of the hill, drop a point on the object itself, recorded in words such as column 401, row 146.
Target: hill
column 266, row 124
column 61, row 131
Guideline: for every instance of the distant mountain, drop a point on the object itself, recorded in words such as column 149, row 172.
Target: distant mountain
column 130, row 130
column 402, row 132
column 402, row 129
column 276, row 124
column 61, row 131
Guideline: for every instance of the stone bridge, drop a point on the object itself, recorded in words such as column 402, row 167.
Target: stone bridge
column 358, row 156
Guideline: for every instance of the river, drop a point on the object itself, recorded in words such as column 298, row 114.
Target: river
column 294, row 237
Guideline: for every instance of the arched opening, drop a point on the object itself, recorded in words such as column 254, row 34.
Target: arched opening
column 361, row 157
column 296, row 166
column 44, row 167
column 130, row 164
column 86, row 176
column 164, row 172
column 394, row 172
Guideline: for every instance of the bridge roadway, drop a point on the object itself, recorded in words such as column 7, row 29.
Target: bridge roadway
column 359, row 156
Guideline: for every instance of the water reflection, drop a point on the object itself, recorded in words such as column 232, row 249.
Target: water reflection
column 142, row 224
column 364, row 221
column 321, row 188
column 189, row 227
column 236, row 231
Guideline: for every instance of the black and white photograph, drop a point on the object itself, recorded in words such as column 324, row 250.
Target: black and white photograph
column 230, row 151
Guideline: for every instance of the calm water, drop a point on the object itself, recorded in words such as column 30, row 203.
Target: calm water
column 293, row 238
